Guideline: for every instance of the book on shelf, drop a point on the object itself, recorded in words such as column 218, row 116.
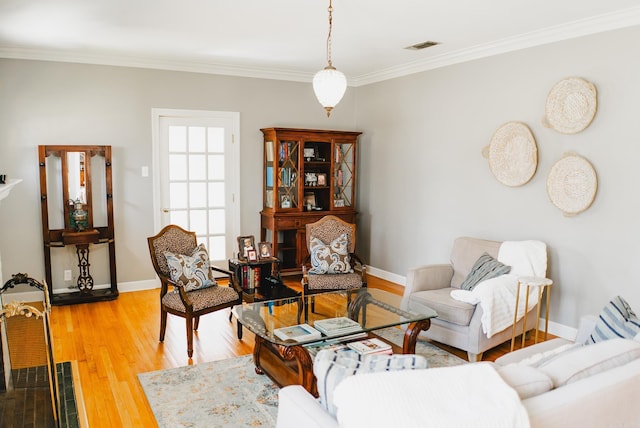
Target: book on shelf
column 298, row 333
column 251, row 277
column 337, row 326
column 370, row 346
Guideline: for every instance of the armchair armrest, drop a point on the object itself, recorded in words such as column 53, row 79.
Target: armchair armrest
column 429, row 277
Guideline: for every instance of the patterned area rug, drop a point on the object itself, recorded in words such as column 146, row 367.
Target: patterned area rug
column 229, row 393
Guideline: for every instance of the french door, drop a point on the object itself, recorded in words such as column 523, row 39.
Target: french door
column 197, row 176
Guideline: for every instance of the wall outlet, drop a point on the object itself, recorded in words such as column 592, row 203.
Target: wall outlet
column 67, row 275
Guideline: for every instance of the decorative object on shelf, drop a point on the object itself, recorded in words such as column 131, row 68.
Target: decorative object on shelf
column 309, row 153
column 310, row 179
column 512, row 154
column 322, row 179
column 572, row 184
column 78, row 217
column 309, row 201
column 571, row 105
column 329, row 84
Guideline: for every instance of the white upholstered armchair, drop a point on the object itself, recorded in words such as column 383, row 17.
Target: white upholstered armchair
column 464, row 316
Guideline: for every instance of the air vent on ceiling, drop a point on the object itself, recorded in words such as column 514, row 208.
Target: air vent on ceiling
column 420, row 46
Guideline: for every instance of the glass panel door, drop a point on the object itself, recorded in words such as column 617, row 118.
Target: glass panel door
column 198, row 181
column 344, row 173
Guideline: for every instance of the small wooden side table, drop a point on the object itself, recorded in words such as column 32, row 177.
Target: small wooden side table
column 542, row 284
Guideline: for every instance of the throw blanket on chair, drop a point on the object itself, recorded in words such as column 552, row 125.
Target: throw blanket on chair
column 497, row 296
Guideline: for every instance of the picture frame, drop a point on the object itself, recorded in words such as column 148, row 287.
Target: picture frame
column 338, row 203
column 245, row 244
column 285, row 201
column 309, row 200
column 322, row 179
column 252, row 255
column 309, row 153
column 264, row 250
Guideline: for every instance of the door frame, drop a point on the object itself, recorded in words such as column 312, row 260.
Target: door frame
column 232, row 166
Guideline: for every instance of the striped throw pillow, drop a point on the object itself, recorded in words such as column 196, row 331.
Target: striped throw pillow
column 616, row 319
column 486, row 267
column 332, row 367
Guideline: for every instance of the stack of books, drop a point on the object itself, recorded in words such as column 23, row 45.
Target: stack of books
column 371, row 346
column 339, row 326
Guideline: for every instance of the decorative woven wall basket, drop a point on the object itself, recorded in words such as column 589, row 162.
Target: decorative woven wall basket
column 572, row 184
column 513, row 154
column 571, row 105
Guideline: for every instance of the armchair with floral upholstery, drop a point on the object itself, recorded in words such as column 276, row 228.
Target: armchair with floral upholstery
column 332, row 263
column 183, row 264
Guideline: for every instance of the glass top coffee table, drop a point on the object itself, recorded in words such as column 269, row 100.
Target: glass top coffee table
column 288, row 361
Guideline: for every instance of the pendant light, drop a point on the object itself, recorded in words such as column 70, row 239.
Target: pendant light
column 329, row 84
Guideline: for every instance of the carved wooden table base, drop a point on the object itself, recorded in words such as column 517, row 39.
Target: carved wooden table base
column 282, row 374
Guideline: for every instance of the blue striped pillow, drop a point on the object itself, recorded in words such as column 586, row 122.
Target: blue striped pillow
column 616, row 319
column 486, row 267
column 332, row 367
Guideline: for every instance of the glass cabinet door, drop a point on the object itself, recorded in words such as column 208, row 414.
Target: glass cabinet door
column 288, row 174
column 343, row 175
column 269, row 173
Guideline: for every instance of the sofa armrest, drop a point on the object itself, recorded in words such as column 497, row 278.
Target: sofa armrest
column 298, row 408
column 429, row 277
column 605, row 399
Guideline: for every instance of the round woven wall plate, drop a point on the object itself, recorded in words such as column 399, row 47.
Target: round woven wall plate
column 572, row 184
column 571, row 105
column 513, row 154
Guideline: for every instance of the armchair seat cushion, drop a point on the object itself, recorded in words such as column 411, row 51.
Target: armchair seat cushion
column 203, row 298
column 448, row 309
column 338, row 281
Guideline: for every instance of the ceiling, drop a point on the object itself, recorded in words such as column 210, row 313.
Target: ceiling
column 286, row 39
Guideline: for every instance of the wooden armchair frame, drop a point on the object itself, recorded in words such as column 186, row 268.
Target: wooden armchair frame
column 179, row 241
column 327, row 229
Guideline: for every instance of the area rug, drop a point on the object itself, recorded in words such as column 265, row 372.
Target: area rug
column 228, row 393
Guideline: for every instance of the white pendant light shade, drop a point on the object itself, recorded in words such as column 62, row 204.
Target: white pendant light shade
column 329, row 86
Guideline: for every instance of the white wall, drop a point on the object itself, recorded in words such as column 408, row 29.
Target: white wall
column 427, row 182
column 59, row 103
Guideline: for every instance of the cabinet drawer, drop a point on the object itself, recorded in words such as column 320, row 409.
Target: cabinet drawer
column 288, row 223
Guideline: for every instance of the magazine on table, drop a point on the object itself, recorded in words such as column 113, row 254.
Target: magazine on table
column 370, row 346
column 299, row 333
column 339, row 325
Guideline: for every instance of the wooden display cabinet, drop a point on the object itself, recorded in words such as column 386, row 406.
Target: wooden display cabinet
column 307, row 174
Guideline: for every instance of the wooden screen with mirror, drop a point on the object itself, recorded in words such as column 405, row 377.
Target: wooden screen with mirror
column 77, row 210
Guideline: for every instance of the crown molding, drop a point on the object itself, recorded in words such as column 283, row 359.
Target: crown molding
column 154, row 63
column 597, row 24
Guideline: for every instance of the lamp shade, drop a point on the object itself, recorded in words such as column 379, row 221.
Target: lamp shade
column 329, row 86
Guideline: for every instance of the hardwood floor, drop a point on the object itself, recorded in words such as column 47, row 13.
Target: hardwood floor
column 114, row 341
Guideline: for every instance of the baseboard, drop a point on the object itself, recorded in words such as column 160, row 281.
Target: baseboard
column 555, row 329
column 36, row 296
column 387, row 276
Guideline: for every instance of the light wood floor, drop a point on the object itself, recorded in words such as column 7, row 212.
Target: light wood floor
column 114, row 341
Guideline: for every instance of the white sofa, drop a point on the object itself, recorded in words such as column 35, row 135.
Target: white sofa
column 605, row 396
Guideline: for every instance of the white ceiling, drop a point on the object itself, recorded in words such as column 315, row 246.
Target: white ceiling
column 286, row 39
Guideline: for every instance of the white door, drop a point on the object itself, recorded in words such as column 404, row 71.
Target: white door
column 197, row 176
